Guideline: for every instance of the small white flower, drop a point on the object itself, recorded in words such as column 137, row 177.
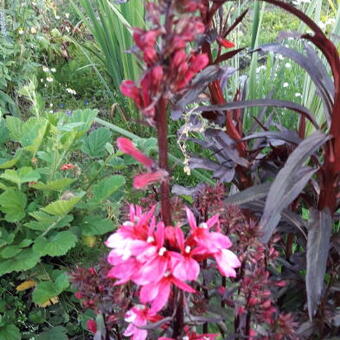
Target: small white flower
column 285, row 85
column 46, row 69
column 42, row 80
column 57, row 17
column 297, row 94
column 53, row 70
column 33, row 30
column 288, row 65
column 21, row 31
column 280, row 57
column 49, row 79
column 67, row 15
column 51, row 105
column 71, row 91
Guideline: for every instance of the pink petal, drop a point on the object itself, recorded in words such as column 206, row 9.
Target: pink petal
column 187, row 270
column 213, row 220
column 191, row 219
column 152, row 271
column 163, row 296
column 226, row 262
column 182, row 285
column 143, row 180
column 149, row 292
column 126, row 145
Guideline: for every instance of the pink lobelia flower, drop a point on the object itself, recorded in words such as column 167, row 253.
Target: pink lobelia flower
column 91, row 325
column 139, row 316
column 143, row 180
column 185, row 268
column 213, row 243
column 158, row 292
column 126, row 145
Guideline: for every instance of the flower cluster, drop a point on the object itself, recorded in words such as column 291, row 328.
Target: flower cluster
column 170, row 67
column 158, row 258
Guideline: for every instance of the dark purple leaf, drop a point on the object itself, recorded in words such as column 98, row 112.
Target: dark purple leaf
column 191, row 191
column 253, row 193
column 237, row 21
column 287, row 136
column 262, row 103
column 225, row 173
column 289, row 182
column 198, row 84
column 318, row 243
column 227, row 55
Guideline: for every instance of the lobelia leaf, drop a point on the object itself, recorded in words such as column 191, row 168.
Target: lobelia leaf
column 94, row 143
column 289, row 182
column 262, row 103
column 318, row 244
column 12, row 204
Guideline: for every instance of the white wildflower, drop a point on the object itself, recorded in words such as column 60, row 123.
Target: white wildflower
column 288, row 65
column 285, row 85
column 46, row 69
column 53, row 70
column 297, row 94
column 49, row 79
column 71, row 91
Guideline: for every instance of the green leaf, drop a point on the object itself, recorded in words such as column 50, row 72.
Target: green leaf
column 4, row 133
column 10, row 162
column 44, row 224
column 49, row 289
column 10, row 332
column 27, row 259
column 56, row 185
column 36, row 142
column 13, row 203
column 95, row 225
column 10, row 251
column 94, row 143
column 57, row 333
column 106, row 187
column 14, row 125
column 62, row 207
column 23, row 175
column 57, row 245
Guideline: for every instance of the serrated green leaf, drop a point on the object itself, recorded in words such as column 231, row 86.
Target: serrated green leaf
column 106, row 187
column 57, row 333
column 14, row 126
column 62, row 207
column 10, row 251
column 56, row 185
column 49, row 289
column 57, row 245
column 4, row 133
column 27, row 259
column 95, row 225
column 23, row 175
column 13, row 203
column 10, row 162
column 38, row 138
column 94, row 143
column 10, row 332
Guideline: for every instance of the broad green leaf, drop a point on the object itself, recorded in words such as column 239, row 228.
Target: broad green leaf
column 27, row 259
column 56, row 185
column 10, row 251
column 95, row 225
column 13, row 203
column 57, row 333
column 54, row 222
column 62, row 207
column 57, row 245
column 49, row 289
column 39, row 137
column 31, row 130
column 15, row 126
column 4, row 133
column 106, row 187
column 94, row 143
column 23, row 175
column 10, row 332
column 10, row 162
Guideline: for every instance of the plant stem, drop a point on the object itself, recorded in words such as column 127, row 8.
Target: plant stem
column 162, row 136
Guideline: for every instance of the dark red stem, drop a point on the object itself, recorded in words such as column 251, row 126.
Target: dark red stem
column 162, row 136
